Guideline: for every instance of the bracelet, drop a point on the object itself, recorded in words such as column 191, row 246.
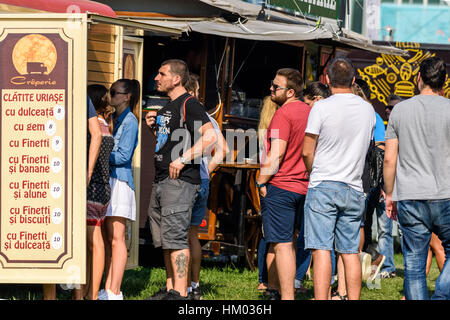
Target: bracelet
column 259, row 186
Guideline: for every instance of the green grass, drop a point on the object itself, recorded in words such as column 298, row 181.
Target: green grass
column 218, row 282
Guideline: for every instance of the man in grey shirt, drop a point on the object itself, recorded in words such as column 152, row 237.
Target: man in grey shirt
column 417, row 177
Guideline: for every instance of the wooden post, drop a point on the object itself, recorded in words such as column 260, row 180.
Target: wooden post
column 230, row 76
column 203, row 69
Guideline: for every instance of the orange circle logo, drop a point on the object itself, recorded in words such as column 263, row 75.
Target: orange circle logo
column 34, row 54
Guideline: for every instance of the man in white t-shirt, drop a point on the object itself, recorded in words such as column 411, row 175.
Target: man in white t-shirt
column 337, row 138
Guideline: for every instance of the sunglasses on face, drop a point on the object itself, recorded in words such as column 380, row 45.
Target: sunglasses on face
column 113, row 92
column 276, row 87
column 390, row 107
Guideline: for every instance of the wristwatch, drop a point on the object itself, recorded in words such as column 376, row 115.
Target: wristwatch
column 183, row 160
column 259, row 186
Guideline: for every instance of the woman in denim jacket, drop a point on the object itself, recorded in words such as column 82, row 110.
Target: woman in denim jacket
column 123, row 96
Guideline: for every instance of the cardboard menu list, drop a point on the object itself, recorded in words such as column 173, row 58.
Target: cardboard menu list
column 33, row 220
column 34, row 173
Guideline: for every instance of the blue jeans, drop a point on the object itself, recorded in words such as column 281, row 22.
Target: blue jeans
column 418, row 219
column 333, row 214
column 201, row 203
column 385, row 239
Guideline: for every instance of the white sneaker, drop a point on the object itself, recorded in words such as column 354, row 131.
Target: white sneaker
column 109, row 295
column 297, row 284
column 112, row 296
column 366, row 267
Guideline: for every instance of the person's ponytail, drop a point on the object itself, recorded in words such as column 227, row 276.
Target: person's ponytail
column 135, row 90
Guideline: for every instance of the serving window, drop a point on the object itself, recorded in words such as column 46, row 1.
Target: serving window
column 253, row 66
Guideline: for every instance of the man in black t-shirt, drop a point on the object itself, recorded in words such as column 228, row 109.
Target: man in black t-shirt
column 183, row 131
column 171, row 137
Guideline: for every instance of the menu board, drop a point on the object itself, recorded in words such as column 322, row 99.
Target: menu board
column 37, row 159
column 32, row 225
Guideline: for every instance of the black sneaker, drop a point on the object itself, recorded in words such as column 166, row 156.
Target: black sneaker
column 160, row 294
column 174, row 295
column 274, row 295
column 196, row 294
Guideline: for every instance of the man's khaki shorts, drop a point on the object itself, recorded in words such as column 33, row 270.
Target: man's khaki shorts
column 170, row 212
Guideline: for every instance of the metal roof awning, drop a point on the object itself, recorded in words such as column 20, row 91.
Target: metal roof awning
column 251, row 29
column 242, row 8
column 331, row 29
column 260, row 30
column 368, row 45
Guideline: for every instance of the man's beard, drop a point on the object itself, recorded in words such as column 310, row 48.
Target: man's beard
column 279, row 100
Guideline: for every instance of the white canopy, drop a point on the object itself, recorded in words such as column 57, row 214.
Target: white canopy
column 275, row 26
column 270, row 31
column 250, row 30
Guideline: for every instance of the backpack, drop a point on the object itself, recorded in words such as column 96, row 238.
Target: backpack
column 375, row 160
column 183, row 113
column 183, row 121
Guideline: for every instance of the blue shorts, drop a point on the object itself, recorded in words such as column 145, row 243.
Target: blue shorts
column 280, row 211
column 201, row 203
column 333, row 213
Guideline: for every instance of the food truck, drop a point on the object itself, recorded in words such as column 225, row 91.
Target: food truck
column 50, row 51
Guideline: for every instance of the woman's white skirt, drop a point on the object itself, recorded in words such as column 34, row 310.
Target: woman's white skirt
column 123, row 200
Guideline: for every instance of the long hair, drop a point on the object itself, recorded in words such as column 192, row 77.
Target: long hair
column 357, row 90
column 97, row 94
column 267, row 111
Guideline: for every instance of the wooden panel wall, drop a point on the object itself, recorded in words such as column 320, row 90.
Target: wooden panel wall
column 101, row 54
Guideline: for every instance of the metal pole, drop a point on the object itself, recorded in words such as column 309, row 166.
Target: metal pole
column 347, row 14
column 242, row 213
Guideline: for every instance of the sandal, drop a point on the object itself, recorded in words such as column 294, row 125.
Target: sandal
column 302, row 290
column 336, row 294
column 262, row 287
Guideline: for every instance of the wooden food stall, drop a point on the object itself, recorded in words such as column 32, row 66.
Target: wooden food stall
column 47, row 61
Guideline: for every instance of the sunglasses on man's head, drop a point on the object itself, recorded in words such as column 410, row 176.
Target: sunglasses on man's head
column 113, row 92
column 276, row 87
